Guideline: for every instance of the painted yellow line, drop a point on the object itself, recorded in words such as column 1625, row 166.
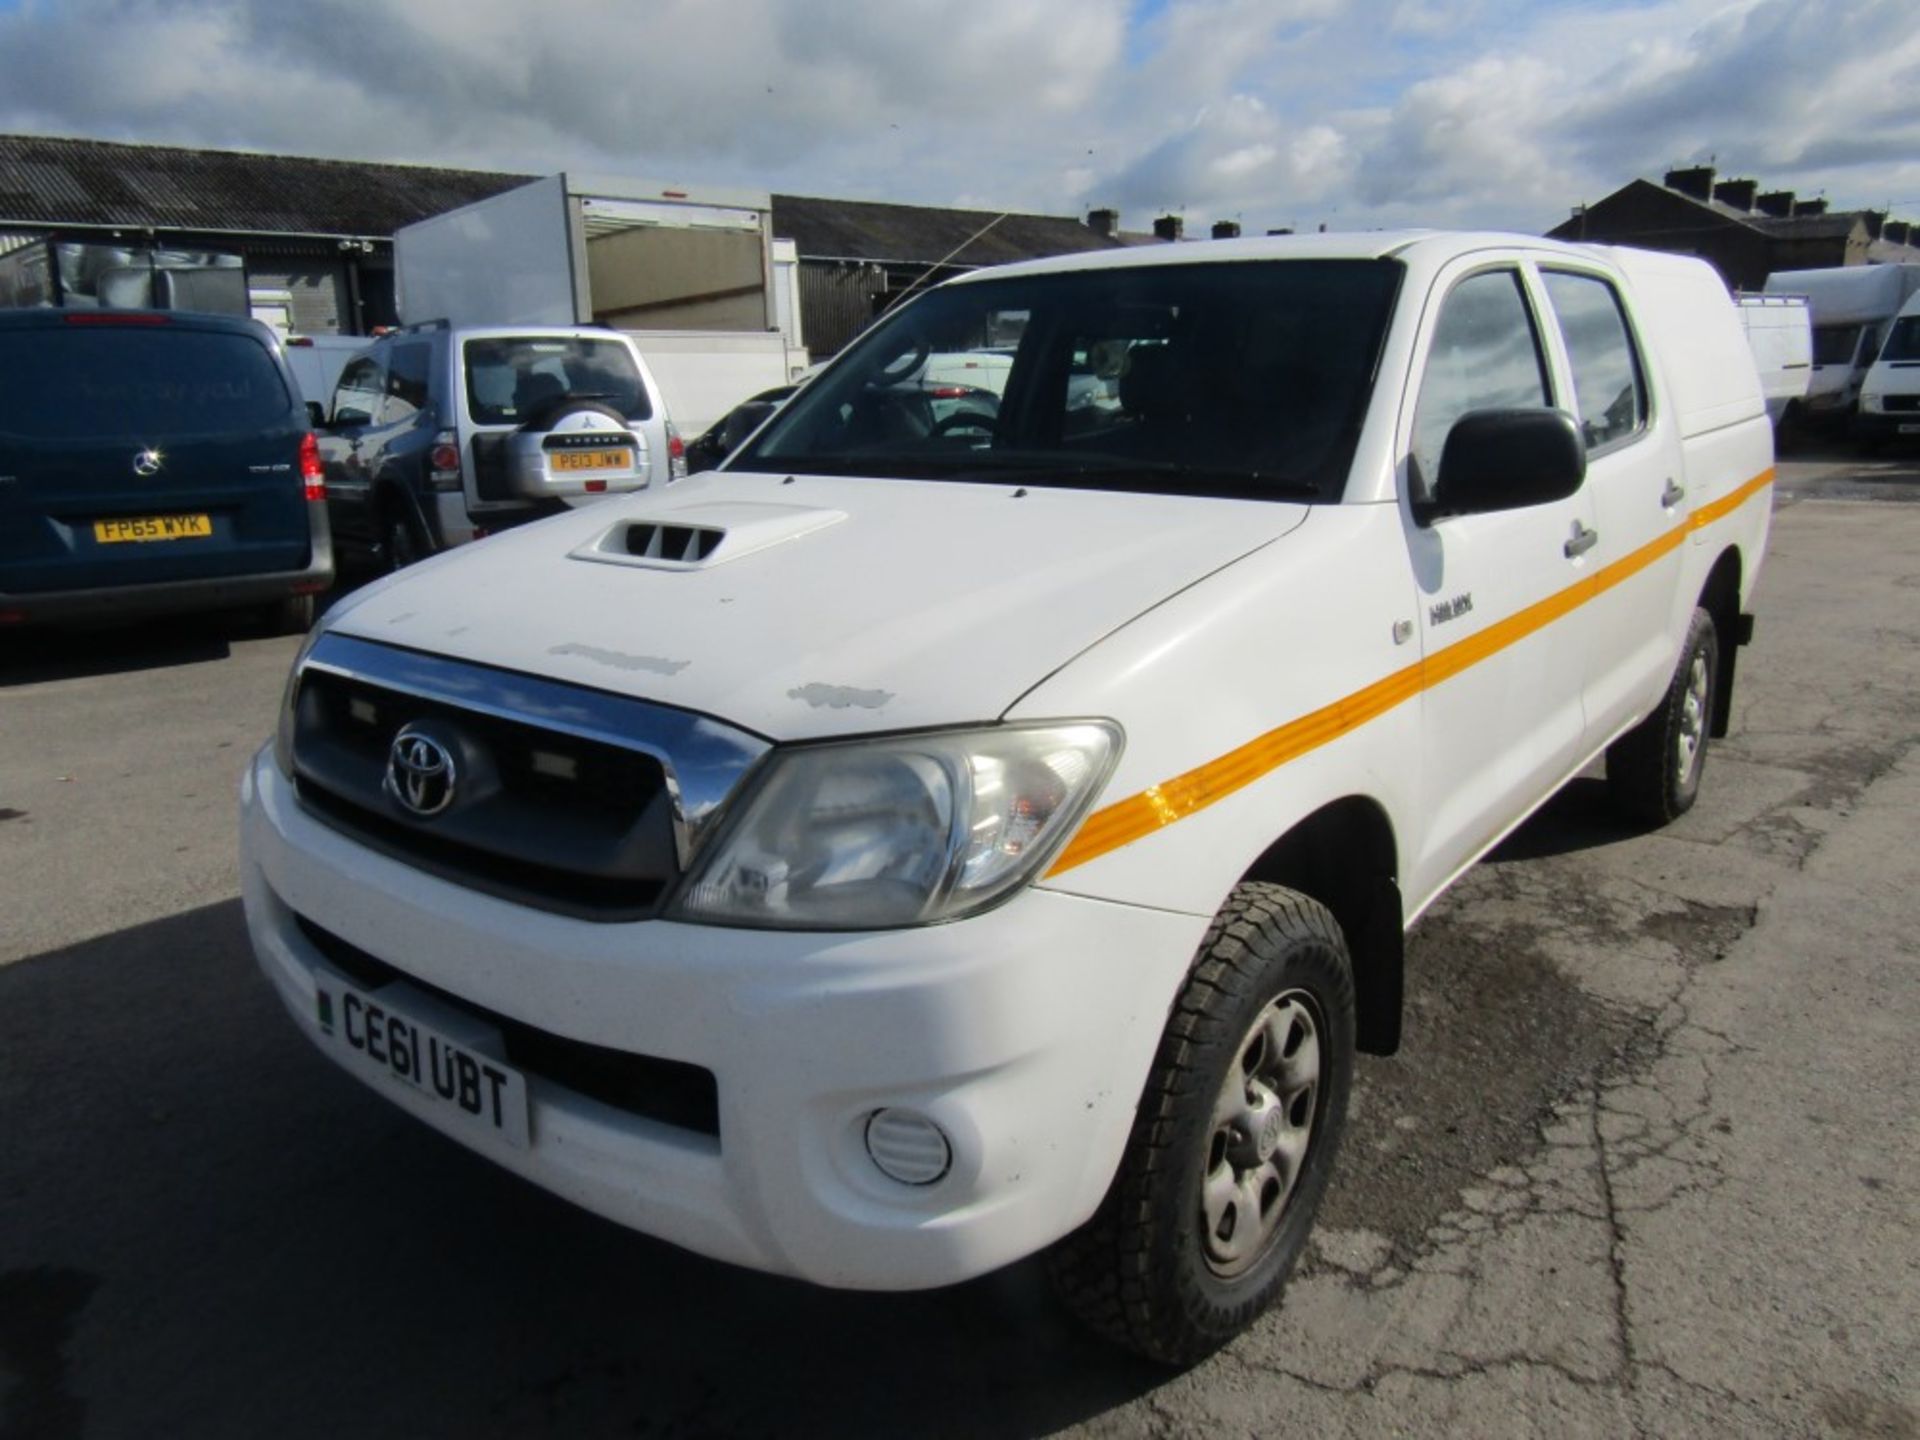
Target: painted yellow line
column 1173, row 800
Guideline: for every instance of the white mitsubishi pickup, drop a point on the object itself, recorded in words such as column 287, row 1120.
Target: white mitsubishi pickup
column 934, row 838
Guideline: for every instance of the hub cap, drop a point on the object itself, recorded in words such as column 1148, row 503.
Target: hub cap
column 1262, row 1130
column 1693, row 722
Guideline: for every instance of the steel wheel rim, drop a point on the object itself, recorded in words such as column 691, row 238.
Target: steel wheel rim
column 1691, row 739
column 1261, row 1133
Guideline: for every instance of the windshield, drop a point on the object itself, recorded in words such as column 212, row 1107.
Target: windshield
column 1903, row 341
column 138, row 382
column 1247, row 379
column 1835, row 344
column 511, row 377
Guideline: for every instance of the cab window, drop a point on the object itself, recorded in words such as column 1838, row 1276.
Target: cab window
column 1609, row 387
column 358, row 396
column 1485, row 355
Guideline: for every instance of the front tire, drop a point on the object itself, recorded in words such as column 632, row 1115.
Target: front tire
column 1653, row 771
column 1234, row 1139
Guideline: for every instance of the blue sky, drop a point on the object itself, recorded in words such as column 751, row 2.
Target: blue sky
column 1497, row 113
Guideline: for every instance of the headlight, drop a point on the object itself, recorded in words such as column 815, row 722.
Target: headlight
column 906, row 830
column 283, row 734
column 1869, row 400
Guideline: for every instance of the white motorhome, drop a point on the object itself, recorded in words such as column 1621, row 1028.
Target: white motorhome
column 694, row 275
column 1890, row 395
column 920, row 844
column 1779, row 330
column 1852, row 307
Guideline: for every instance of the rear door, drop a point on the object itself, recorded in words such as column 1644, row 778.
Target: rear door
column 143, row 448
column 1502, row 714
column 1636, row 478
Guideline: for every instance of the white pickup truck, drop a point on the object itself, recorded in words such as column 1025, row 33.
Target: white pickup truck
column 923, row 843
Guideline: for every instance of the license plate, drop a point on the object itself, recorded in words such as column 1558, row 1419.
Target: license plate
column 592, row 460
column 153, row 527
column 414, row 1040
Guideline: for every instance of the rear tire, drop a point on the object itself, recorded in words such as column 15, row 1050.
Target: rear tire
column 1233, row 1141
column 1653, row 771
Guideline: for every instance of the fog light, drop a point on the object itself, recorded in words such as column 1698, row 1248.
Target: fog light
column 908, row 1147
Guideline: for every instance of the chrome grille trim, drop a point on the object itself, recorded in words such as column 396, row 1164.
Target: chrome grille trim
column 703, row 760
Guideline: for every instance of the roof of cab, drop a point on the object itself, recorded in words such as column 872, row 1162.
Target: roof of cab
column 1433, row 246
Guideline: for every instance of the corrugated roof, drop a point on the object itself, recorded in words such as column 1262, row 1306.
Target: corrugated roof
column 46, row 180
column 924, row 235
column 50, row 181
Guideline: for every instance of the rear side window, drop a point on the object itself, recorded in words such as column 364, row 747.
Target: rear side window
column 407, row 382
column 512, row 378
column 360, row 393
column 1607, row 378
column 1485, row 356
column 143, row 383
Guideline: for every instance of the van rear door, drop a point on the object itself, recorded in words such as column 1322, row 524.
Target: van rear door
column 140, row 448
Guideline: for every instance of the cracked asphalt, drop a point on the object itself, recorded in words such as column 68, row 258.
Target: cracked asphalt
column 1645, row 1166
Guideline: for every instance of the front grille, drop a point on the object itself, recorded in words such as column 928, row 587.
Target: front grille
column 1901, row 404
column 552, row 820
column 672, row 1092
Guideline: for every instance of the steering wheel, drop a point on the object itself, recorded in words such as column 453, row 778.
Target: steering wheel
column 966, row 420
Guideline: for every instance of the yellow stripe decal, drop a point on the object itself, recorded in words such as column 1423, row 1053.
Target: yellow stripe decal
column 1130, row 819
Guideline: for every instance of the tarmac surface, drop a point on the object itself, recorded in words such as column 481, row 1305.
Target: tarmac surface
column 1645, row 1165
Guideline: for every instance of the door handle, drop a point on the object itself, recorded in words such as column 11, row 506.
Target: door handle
column 1582, row 541
column 1672, row 495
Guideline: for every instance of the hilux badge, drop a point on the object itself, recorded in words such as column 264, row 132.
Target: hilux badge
column 420, row 773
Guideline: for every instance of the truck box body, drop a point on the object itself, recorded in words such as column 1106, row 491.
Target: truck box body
column 691, row 275
column 1780, row 334
column 1852, row 305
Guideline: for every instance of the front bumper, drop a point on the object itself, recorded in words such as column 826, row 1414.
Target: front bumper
column 1886, row 425
column 1026, row 1033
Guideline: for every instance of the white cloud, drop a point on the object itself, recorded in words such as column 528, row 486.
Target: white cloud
column 1277, row 111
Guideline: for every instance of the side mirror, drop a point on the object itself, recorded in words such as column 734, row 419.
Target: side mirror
column 316, row 415
column 1506, row 460
column 347, row 415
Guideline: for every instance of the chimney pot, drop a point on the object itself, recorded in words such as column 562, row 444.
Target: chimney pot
column 1168, row 227
column 1226, row 229
column 1695, row 180
column 1103, row 222
column 1737, row 193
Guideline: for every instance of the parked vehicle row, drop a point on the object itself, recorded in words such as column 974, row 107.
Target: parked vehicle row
column 917, row 845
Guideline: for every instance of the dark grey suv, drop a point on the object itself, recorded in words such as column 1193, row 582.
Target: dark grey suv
column 154, row 461
column 438, row 435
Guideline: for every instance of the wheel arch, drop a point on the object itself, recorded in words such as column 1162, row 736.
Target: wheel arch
column 391, row 492
column 1720, row 598
column 1345, row 856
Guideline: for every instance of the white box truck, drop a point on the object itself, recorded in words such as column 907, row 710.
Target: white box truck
column 693, row 275
column 1852, row 307
column 1779, row 330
